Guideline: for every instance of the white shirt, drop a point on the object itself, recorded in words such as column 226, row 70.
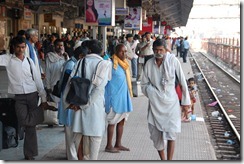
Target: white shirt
column 131, row 47
column 149, row 49
column 20, row 77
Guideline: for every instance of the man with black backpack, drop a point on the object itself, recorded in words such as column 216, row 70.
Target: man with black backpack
column 90, row 119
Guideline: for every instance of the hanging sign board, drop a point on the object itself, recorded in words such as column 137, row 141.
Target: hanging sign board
column 147, row 26
column 133, row 20
column 121, row 11
column 100, row 12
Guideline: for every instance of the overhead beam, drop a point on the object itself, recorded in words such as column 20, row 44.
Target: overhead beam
column 170, row 7
column 172, row 13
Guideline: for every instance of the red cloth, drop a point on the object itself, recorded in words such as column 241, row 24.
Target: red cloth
column 178, row 91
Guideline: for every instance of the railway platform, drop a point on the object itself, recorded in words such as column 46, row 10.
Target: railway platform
column 193, row 143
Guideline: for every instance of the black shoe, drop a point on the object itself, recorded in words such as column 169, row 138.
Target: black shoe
column 21, row 133
column 50, row 126
column 29, row 158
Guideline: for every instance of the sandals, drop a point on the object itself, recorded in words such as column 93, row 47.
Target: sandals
column 122, row 148
column 186, row 120
column 112, row 150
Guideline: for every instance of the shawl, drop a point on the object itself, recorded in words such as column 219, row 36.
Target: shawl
column 32, row 54
column 125, row 65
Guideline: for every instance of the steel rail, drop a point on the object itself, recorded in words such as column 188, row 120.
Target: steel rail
column 214, row 62
column 215, row 96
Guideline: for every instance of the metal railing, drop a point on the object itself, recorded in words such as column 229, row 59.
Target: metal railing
column 226, row 49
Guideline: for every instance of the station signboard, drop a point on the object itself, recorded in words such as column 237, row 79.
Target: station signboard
column 122, row 11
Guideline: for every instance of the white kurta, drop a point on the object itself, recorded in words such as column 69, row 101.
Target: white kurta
column 54, row 64
column 90, row 120
column 164, row 109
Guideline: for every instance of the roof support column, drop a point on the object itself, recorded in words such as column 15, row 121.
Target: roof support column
column 104, row 32
column 94, row 32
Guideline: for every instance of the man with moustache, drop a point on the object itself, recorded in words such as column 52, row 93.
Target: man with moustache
column 158, row 85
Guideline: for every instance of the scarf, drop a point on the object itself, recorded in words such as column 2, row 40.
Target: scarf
column 31, row 49
column 169, row 66
column 54, row 57
column 125, row 65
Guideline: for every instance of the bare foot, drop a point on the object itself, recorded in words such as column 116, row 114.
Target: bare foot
column 122, row 148
column 111, row 150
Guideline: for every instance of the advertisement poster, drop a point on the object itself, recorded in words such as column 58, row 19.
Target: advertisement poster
column 99, row 12
column 156, row 29
column 27, row 14
column 133, row 21
column 104, row 12
column 147, row 26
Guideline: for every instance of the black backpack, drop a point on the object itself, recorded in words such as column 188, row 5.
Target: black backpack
column 9, row 137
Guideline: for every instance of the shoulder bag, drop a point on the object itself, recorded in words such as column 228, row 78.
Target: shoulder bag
column 79, row 87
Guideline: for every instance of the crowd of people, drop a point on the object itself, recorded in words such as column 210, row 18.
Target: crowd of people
column 144, row 58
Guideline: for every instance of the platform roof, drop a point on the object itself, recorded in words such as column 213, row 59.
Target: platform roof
column 174, row 12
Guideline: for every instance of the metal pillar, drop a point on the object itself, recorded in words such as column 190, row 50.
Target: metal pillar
column 104, row 32
column 94, row 32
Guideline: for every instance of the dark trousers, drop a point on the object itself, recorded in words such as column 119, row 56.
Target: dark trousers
column 23, row 104
column 134, row 67
column 177, row 51
column 185, row 55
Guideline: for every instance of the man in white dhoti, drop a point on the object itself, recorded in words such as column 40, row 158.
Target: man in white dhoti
column 164, row 112
column 118, row 95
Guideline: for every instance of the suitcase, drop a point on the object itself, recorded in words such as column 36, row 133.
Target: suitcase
column 1, row 136
column 8, row 115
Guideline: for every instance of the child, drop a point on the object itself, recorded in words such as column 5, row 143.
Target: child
column 192, row 90
column 185, row 112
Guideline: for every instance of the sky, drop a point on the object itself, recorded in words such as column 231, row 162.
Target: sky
column 213, row 18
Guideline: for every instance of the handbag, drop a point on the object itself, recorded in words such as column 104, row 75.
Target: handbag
column 59, row 87
column 56, row 90
column 79, row 87
column 50, row 116
column 34, row 117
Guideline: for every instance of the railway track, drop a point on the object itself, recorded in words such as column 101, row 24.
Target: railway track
column 220, row 94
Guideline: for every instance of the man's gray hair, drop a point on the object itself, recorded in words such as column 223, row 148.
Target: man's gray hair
column 29, row 32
